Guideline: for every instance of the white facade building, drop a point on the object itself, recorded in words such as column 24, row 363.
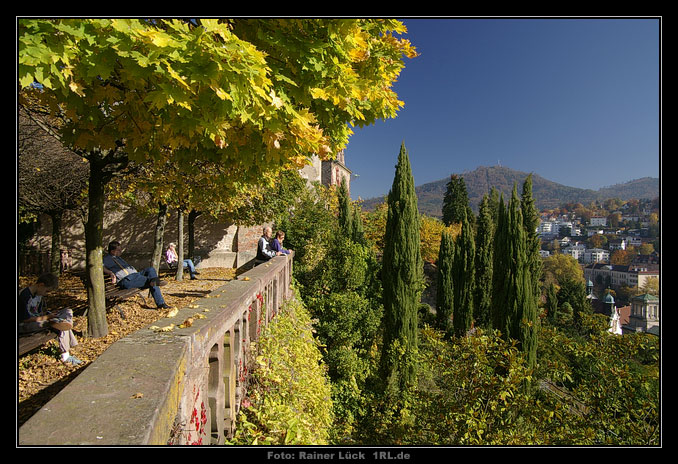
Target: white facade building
column 576, row 251
column 598, row 221
column 596, row 255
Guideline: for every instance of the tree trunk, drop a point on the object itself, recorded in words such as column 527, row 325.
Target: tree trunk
column 97, row 326
column 191, row 232
column 55, row 260
column 159, row 233
column 180, row 244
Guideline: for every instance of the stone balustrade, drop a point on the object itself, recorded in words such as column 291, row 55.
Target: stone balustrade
column 181, row 386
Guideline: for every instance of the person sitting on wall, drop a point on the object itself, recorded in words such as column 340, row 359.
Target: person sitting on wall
column 125, row 276
column 34, row 317
column 276, row 243
column 172, row 257
column 264, row 250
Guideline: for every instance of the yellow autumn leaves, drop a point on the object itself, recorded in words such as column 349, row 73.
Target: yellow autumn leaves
column 188, row 322
column 258, row 93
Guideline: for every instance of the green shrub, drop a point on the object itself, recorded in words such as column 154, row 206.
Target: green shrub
column 289, row 399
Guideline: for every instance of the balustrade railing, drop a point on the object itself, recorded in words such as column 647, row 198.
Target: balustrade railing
column 160, row 386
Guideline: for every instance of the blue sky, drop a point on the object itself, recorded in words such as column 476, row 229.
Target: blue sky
column 576, row 101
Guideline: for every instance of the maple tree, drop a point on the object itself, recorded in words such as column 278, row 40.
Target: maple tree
column 252, row 96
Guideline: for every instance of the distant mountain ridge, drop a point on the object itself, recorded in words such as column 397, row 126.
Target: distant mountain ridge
column 547, row 194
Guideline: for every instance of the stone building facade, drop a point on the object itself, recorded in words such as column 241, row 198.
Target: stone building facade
column 644, row 315
column 328, row 173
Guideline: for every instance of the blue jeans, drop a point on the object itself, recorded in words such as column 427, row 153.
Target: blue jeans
column 191, row 268
column 140, row 280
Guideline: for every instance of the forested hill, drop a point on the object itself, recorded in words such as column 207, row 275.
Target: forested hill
column 547, row 194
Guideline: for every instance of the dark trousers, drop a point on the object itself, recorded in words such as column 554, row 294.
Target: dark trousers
column 141, row 279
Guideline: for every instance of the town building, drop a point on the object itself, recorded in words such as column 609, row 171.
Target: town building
column 577, row 251
column 644, row 314
column 551, row 227
column 633, row 276
column 598, row 221
column 617, row 244
column 596, row 255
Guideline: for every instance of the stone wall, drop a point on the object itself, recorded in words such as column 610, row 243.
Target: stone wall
column 219, row 244
column 181, row 387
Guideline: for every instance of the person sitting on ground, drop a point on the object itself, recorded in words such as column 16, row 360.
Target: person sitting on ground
column 172, row 257
column 276, row 244
column 264, row 251
column 34, row 317
column 125, row 276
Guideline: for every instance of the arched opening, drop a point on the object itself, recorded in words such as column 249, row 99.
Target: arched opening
column 215, row 396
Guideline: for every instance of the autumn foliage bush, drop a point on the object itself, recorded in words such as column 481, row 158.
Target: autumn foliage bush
column 289, row 400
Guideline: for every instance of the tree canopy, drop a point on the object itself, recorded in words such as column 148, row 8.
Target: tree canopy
column 251, row 97
column 250, row 94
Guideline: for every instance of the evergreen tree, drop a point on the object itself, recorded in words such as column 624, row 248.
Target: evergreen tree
column 445, row 282
column 531, row 222
column 500, row 279
column 530, row 315
column 402, row 276
column 494, row 204
column 345, row 212
column 551, row 303
column 573, row 291
column 484, row 253
column 357, row 232
column 455, row 201
column 464, row 279
column 513, row 297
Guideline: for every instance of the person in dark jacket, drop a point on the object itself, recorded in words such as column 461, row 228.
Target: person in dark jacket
column 126, row 276
column 264, row 250
column 276, row 243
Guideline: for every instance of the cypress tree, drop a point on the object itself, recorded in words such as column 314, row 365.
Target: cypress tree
column 515, row 260
column 345, row 215
column 531, row 222
column 498, row 313
column 455, row 201
column 513, row 296
column 551, row 303
column 530, row 324
column 402, row 276
column 484, row 255
column 357, row 232
column 445, row 282
column 464, row 273
column 494, row 203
